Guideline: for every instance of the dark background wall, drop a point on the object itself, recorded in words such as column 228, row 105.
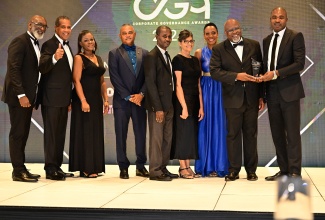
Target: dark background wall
column 104, row 19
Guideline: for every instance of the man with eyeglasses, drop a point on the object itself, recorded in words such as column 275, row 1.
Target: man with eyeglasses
column 54, row 94
column 19, row 92
column 231, row 63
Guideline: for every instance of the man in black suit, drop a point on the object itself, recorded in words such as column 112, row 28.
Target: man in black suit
column 231, row 63
column 127, row 77
column 19, row 92
column 55, row 91
column 284, row 57
column 160, row 82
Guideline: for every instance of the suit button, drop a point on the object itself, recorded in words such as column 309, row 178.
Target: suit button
column 170, row 84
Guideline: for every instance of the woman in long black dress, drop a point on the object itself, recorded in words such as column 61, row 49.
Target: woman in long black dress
column 188, row 106
column 89, row 102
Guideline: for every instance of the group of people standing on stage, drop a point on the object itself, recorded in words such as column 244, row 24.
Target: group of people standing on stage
column 203, row 107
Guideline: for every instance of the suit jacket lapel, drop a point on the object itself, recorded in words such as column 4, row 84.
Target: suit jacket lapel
column 230, row 49
column 139, row 60
column 31, row 46
column 246, row 50
column 126, row 57
column 284, row 42
column 162, row 58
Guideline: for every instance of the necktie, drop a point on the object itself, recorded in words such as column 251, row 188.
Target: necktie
column 35, row 41
column 168, row 58
column 273, row 51
column 65, row 43
column 168, row 64
column 241, row 43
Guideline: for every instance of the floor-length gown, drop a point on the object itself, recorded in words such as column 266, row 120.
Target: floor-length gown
column 212, row 143
column 86, row 152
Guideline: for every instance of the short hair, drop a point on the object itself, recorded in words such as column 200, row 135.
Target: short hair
column 184, row 34
column 210, row 24
column 57, row 21
column 279, row 8
column 123, row 25
column 162, row 27
column 81, row 34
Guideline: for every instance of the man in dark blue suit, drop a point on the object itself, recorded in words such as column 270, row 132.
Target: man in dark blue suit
column 19, row 92
column 284, row 57
column 127, row 76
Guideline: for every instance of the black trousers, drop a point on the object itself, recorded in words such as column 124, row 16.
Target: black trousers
column 20, row 120
column 55, row 125
column 242, row 137
column 285, row 127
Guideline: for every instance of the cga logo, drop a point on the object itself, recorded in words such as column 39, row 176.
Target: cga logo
column 184, row 6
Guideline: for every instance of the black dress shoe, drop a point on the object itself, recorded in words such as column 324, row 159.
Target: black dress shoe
column 55, row 175
column 33, row 176
column 295, row 175
column 124, row 174
column 142, row 172
column 275, row 176
column 23, row 176
column 162, row 177
column 232, row 176
column 171, row 175
column 252, row 177
column 65, row 174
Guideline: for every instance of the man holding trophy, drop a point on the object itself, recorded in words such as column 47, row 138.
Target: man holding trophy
column 236, row 62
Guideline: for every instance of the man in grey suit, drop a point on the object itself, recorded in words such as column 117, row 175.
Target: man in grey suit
column 127, row 76
column 231, row 63
column 19, row 92
column 284, row 57
column 159, row 103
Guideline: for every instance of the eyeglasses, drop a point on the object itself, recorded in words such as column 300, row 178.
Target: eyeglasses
column 233, row 29
column 189, row 41
column 40, row 25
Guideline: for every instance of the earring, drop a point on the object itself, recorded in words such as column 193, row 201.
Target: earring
column 82, row 50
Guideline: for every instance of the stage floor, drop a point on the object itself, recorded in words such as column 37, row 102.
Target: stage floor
column 111, row 192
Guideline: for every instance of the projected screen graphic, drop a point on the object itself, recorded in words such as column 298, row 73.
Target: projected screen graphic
column 104, row 18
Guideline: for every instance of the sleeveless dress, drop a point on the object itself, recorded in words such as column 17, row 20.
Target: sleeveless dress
column 184, row 145
column 212, row 143
column 86, row 152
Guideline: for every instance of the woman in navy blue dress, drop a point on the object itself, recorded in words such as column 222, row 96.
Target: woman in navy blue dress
column 212, row 148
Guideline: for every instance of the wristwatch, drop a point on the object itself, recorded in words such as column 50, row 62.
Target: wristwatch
column 141, row 93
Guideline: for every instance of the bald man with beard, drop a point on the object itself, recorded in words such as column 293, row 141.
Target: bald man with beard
column 19, row 92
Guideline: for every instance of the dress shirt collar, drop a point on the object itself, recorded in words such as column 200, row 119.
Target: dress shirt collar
column 161, row 50
column 232, row 43
column 281, row 33
column 60, row 40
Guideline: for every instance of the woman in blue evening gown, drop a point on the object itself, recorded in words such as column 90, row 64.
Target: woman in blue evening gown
column 212, row 148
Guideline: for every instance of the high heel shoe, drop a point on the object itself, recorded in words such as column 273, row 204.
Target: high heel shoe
column 195, row 175
column 88, row 175
column 184, row 176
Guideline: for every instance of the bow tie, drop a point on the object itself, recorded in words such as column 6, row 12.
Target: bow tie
column 35, row 41
column 65, row 43
column 241, row 43
column 129, row 48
